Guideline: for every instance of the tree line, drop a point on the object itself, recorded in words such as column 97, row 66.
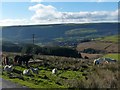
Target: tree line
column 46, row 50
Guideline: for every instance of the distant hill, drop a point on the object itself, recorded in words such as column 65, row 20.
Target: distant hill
column 56, row 33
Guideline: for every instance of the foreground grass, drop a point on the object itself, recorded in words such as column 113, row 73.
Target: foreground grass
column 72, row 73
column 32, row 84
column 45, row 79
column 113, row 56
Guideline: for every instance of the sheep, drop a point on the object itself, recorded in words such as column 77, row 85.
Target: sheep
column 54, row 71
column 30, row 71
column 26, row 72
column 8, row 68
column 109, row 60
column 34, row 70
column 96, row 61
column 102, row 61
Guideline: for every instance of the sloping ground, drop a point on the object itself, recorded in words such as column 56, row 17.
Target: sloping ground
column 113, row 48
column 113, row 38
column 58, row 32
column 91, row 56
column 72, row 73
column 99, row 45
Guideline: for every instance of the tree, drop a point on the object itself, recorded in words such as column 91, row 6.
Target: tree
column 27, row 49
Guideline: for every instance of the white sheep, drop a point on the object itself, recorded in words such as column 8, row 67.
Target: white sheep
column 54, row 71
column 26, row 72
column 30, row 71
column 96, row 61
column 100, row 61
column 8, row 68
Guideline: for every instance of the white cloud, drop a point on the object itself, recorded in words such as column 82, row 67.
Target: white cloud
column 49, row 13
column 43, row 13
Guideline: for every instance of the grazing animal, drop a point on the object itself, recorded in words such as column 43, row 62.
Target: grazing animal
column 109, row 60
column 96, row 62
column 54, row 71
column 16, row 58
column 26, row 72
column 103, row 61
column 8, row 68
column 5, row 60
column 34, row 70
column 23, row 59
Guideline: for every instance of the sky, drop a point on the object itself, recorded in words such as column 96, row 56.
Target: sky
column 45, row 12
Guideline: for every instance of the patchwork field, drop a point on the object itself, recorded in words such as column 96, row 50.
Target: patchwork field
column 108, row 47
column 114, row 38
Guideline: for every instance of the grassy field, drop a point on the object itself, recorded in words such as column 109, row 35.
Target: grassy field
column 113, row 56
column 114, row 38
column 45, row 79
column 72, row 73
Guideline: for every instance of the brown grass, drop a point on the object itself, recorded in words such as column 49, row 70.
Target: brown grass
column 99, row 45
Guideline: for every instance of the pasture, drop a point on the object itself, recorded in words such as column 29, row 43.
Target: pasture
column 72, row 73
column 114, row 38
column 113, row 56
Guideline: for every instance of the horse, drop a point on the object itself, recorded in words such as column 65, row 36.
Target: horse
column 5, row 60
column 23, row 59
column 16, row 58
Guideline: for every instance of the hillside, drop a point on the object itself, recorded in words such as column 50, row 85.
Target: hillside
column 97, row 45
column 114, row 38
column 57, row 33
column 108, row 44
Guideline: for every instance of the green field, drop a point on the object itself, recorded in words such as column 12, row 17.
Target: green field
column 45, row 79
column 113, row 56
column 80, row 31
column 72, row 73
column 114, row 38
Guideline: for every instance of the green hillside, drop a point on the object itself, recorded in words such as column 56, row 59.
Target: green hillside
column 113, row 56
column 55, row 33
column 114, row 38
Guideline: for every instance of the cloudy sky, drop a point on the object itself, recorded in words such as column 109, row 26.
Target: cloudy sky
column 45, row 12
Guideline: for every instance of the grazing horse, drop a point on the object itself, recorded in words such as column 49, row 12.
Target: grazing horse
column 16, row 58
column 23, row 59
column 5, row 60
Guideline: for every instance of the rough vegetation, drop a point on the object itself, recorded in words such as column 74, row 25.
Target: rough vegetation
column 72, row 73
